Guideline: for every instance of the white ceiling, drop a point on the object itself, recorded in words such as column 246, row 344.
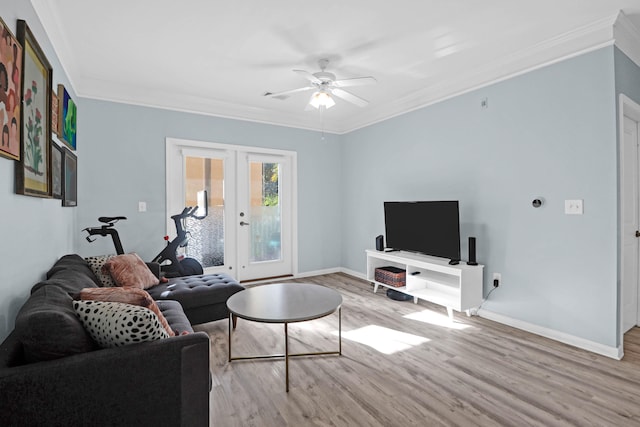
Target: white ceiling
column 220, row 57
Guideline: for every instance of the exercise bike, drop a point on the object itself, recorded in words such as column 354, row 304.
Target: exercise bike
column 171, row 265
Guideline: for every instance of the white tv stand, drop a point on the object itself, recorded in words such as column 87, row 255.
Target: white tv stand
column 457, row 287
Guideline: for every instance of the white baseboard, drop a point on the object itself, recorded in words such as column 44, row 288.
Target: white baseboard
column 309, row 274
column 318, row 272
column 594, row 347
column 354, row 273
column 331, row 271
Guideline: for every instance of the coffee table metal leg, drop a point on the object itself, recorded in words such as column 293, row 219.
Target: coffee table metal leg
column 230, row 336
column 286, row 355
column 340, row 330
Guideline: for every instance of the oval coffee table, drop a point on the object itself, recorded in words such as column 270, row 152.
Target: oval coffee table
column 285, row 303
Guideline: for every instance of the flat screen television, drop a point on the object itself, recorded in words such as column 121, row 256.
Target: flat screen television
column 430, row 227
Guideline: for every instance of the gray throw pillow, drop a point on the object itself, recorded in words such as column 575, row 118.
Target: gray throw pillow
column 48, row 327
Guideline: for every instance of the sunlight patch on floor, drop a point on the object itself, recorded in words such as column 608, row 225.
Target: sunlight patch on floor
column 437, row 319
column 384, row 340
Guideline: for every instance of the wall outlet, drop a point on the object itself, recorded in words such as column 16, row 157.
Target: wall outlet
column 498, row 277
column 573, row 207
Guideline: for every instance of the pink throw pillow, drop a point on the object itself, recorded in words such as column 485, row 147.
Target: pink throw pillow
column 129, row 270
column 128, row 295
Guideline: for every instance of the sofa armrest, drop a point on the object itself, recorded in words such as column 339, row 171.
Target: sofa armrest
column 164, row 382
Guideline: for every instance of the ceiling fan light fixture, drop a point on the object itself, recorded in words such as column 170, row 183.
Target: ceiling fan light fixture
column 322, row 99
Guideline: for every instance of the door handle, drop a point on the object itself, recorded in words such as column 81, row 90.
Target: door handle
column 244, row 223
column 637, row 233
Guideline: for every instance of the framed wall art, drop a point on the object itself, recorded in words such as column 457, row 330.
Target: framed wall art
column 67, row 114
column 56, row 171
column 10, row 93
column 70, row 178
column 33, row 172
column 54, row 113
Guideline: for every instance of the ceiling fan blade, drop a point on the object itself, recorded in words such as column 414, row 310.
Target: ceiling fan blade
column 285, row 94
column 358, row 81
column 307, row 75
column 348, row 96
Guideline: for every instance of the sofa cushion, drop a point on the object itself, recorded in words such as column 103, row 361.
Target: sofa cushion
column 197, row 291
column 173, row 312
column 70, row 273
column 48, row 327
column 132, row 296
column 130, row 270
column 115, row 324
column 95, row 264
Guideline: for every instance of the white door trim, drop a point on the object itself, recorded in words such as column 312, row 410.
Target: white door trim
column 174, row 164
column 631, row 109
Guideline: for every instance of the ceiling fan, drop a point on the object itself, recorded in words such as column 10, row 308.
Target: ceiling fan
column 325, row 84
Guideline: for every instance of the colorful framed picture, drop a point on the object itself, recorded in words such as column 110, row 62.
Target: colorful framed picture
column 67, row 114
column 70, row 178
column 10, row 93
column 56, row 171
column 54, row 113
column 33, row 173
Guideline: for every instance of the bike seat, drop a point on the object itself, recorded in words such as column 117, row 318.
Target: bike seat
column 110, row 219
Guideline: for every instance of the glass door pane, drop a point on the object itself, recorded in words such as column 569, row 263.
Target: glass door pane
column 265, row 212
column 206, row 240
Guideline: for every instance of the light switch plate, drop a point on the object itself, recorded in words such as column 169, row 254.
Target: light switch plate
column 573, row 207
column 142, row 206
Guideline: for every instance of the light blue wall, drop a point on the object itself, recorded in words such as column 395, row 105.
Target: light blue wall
column 34, row 231
column 549, row 133
column 126, row 148
column 627, row 76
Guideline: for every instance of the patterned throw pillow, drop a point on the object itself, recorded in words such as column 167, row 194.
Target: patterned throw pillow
column 132, row 296
column 96, row 263
column 115, row 324
column 130, row 270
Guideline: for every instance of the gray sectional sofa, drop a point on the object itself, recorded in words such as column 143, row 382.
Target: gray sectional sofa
column 52, row 372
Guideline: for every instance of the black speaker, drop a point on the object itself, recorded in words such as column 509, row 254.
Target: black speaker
column 380, row 243
column 472, row 251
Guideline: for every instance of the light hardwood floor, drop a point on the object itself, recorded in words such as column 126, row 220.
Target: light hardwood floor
column 415, row 368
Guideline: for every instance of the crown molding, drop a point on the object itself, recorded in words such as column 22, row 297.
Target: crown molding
column 194, row 104
column 573, row 43
column 627, row 37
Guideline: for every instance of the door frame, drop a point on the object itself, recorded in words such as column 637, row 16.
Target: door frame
column 629, row 108
column 174, row 163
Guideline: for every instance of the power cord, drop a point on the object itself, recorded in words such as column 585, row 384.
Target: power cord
column 496, row 283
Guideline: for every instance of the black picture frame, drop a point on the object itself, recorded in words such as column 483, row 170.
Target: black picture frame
column 33, row 171
column 70, row 178
column 56, row 171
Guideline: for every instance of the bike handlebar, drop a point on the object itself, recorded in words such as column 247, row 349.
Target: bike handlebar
column 187, row 212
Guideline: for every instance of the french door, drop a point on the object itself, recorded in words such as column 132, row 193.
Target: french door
column 264, row 215
column 249, row 194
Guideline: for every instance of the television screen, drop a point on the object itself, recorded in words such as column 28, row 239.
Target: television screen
column 431, row 228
